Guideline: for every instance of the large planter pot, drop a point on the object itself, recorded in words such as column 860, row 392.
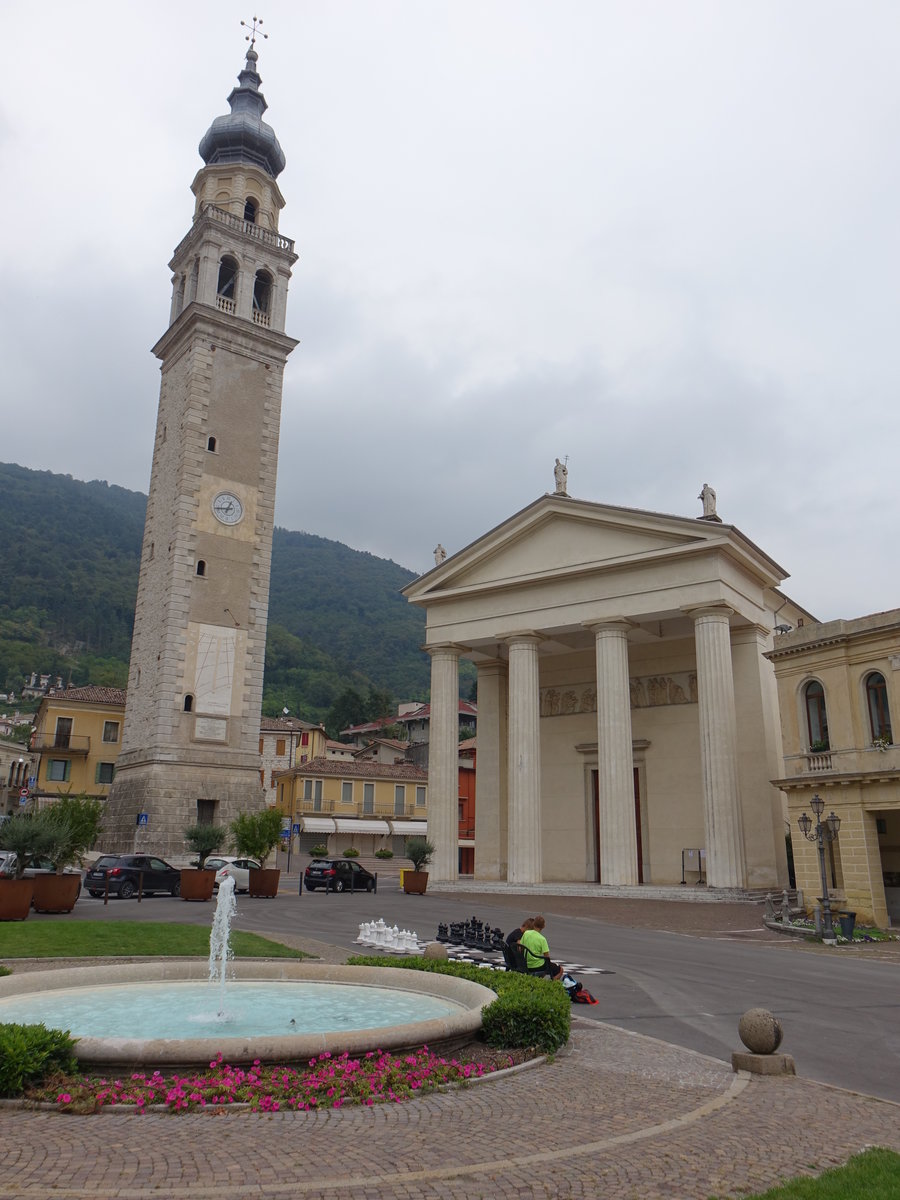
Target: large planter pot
column 197, row 884
column 264, row 882
column 56, row 893
column 415, row 882
column 15, row 899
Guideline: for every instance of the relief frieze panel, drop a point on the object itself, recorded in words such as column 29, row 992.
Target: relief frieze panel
column 647, row 691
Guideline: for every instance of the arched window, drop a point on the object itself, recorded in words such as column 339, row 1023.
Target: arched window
column 262, row 297
column 211, row 444
column 251, row 208
column 816, row 717
column 201, row 567
column 226, row 288
column 189, row 703
column 877, row 704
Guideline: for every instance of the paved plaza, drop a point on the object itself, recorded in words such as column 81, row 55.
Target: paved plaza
column 616, row 1115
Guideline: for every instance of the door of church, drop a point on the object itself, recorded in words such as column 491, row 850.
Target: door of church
column 595, row 789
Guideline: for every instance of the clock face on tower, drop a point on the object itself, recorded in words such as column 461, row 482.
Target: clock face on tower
column 227, row 508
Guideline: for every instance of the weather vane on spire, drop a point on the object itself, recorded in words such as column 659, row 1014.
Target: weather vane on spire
column 254, row 30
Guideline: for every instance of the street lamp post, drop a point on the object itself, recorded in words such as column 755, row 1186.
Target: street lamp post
column 825, row 831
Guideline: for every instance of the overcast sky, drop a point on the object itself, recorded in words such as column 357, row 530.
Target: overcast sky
column 658, row 237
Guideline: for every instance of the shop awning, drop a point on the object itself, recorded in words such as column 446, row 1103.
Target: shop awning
column 317, row 824
column 409, row 828
column 357, row 825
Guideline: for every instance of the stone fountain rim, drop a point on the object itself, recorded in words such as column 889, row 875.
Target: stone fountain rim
column 169, row 1053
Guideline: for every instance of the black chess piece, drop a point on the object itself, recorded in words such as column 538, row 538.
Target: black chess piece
column 442, row 932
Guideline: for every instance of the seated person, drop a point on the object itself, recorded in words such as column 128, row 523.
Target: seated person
column 537, row 951
column 514, row 954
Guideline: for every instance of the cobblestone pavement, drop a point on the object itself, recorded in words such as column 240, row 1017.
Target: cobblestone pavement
column 616, row 1115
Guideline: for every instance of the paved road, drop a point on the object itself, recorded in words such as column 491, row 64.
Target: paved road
column 686, row 982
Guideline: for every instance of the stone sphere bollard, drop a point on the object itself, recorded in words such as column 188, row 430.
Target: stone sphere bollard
column 760, row 1031
column 435, row 950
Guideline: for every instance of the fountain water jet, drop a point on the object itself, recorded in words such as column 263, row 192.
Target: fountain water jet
column 220, row 951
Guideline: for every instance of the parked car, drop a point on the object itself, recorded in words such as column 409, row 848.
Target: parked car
column 124, row 872
column 238, row 868
column 38, row 866
column 339, row 874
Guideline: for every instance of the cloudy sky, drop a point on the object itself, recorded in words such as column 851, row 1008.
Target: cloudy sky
column 658, row 236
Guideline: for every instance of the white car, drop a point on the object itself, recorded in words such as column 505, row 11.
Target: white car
column 238, row 868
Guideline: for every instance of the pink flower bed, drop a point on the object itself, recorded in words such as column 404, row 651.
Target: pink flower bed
column 326, row 1082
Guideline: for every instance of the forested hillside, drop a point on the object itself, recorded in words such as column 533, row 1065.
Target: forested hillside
column 70, row 554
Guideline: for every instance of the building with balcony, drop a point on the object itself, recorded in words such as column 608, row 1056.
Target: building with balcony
column 367, row 805
column 839, row 693
column 18, row 767
column 77, row 736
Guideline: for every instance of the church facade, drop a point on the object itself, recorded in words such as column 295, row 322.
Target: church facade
column 627, row 715
column 189, row 748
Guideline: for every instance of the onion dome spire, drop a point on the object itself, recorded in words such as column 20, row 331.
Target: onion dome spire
column 243, row 136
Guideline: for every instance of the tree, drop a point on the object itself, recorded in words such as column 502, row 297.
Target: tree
column 348, row 709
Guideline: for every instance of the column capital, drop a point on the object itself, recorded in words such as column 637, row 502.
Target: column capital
column 525, row 637
column 444, row 650
column 613, row 625
column 715, row 609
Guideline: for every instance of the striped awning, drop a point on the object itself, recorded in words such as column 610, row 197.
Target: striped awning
column 409, row 828
column 357, row 825
column 317, row 824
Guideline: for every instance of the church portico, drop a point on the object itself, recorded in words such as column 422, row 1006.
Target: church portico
column 615, row 730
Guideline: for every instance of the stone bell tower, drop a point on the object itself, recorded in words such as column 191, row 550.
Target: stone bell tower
column 190, row 740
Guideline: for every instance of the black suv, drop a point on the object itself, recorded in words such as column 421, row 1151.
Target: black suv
column 338, row 875
column 125, row 871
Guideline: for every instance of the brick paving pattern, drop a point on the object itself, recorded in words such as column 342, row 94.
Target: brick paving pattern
column 616, row 1115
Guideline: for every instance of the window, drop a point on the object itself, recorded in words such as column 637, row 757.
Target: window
column 420, row 795
column 189, row 703
column 226, row 286
column 307, row 789
column 206, row 812
column 63, row 732
column 272, row 779
column 201, row 567
column 104, row 772
column 816, row 716
column 260, row 745
column 251, row 208
column 58, row 770
column 368, row 797
column 211, row 445
column 304, row 739
column 399, row 800
column 347, row 792
column 110, row 731
column 877, row 704
column 317, row 796
column 279, row 746
column 262, row 297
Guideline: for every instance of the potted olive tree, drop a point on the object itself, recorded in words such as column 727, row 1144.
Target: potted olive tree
column 255, row 835
column 198, row 883
column 419, row 851
column 26, row 836
column 73, row 824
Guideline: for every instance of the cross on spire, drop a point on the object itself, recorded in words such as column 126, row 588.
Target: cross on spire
column 254, row 30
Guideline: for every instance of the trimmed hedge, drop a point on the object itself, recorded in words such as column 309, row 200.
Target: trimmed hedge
column 29, row 1053
column 528, row 1012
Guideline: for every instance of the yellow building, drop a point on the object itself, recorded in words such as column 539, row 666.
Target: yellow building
column 78, row 733
column 367, row 805
column 838, row 685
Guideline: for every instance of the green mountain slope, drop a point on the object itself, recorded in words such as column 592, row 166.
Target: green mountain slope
column 71, row 553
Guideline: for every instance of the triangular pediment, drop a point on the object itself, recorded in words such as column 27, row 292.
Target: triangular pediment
column 558, row 535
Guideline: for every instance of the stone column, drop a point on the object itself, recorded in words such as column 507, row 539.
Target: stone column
column 491, row 825
column 443, row 763
column 524, row 838
column 725, row 866
column 615, row 758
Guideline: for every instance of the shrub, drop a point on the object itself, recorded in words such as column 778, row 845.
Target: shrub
column 528, row 1011
column 384, row 853
column 203, row 839
column 319, row 851
column 351, row 852
column 255, row 834
column 30, row 1053
column 419, row 851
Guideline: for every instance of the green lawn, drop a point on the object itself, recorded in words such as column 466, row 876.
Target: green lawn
column 92, row 939
column 873, row 1175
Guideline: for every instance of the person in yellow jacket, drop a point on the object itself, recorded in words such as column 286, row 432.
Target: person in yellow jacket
column 537, row 951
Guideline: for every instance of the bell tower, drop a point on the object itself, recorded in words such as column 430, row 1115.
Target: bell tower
column 190, row 740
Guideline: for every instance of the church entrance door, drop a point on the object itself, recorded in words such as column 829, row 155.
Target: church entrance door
column 595, row 791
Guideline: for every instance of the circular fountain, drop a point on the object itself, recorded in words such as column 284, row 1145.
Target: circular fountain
column 183, row 1013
